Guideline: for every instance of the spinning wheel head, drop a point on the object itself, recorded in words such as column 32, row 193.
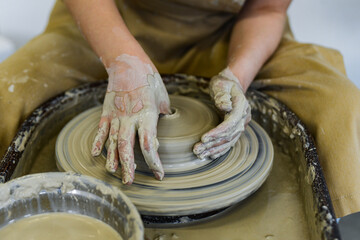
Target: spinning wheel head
column 191, row 186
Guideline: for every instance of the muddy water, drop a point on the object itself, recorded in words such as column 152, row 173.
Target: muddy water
column 58, row 226
column 275, row 211
column 45, row 160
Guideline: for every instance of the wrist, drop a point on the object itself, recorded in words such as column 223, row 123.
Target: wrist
column 128, row 73
column 118, row 49
column 235, row 76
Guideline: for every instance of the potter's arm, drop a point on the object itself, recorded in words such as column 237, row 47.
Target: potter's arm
column 103, row 27
column 255, row 36
column 135, row 94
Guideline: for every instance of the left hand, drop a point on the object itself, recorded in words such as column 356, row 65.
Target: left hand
column 135, row 97
column 226, row 91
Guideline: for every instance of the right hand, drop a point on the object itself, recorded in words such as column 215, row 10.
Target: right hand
column 229, row 97
column 135, row 97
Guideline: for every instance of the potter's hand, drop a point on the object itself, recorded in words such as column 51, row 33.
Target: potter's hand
column 135, row 97
column 229, row 97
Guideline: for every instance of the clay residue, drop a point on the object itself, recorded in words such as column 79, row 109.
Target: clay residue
column 130, row 68
column 275, row 211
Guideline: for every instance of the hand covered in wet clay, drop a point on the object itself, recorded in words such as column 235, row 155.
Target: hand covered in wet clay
column 135, row 97
column 229, row 97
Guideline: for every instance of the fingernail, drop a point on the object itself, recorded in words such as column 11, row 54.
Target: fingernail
column 158, row 175
column 203, row 155
column 225, row 107
column 198, row 148
column 205, row 138
column 95, row 152
column 127, row 179
column 110, row 167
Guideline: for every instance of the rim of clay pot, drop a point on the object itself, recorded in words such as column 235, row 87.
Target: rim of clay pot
column 325, row 216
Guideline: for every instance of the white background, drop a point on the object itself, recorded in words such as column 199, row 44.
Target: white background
column 332, row 23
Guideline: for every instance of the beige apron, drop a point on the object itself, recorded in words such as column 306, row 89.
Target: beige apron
column 192, row 37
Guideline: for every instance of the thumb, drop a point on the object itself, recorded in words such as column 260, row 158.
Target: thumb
column 161, row 93
column 220, row 90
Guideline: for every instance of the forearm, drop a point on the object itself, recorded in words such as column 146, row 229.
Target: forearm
column 255, row 37
column 102, row 25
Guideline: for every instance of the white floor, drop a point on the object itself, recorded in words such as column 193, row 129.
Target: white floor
column 332, row 23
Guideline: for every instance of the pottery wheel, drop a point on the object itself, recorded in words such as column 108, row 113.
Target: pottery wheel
column 191, row 186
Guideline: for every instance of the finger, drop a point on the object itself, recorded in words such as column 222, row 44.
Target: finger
column 162, row 98
column 215, row 151
column 149, row 144
column 217, row 155
column 112, row 159
column 126, row 152
column 247, row 116
column 223, row 101
column 224, row 129
column 227, row 147
column 221, row 93
column 101, row 136
column 164, row 107
column 234, row 121
column 200, row 147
